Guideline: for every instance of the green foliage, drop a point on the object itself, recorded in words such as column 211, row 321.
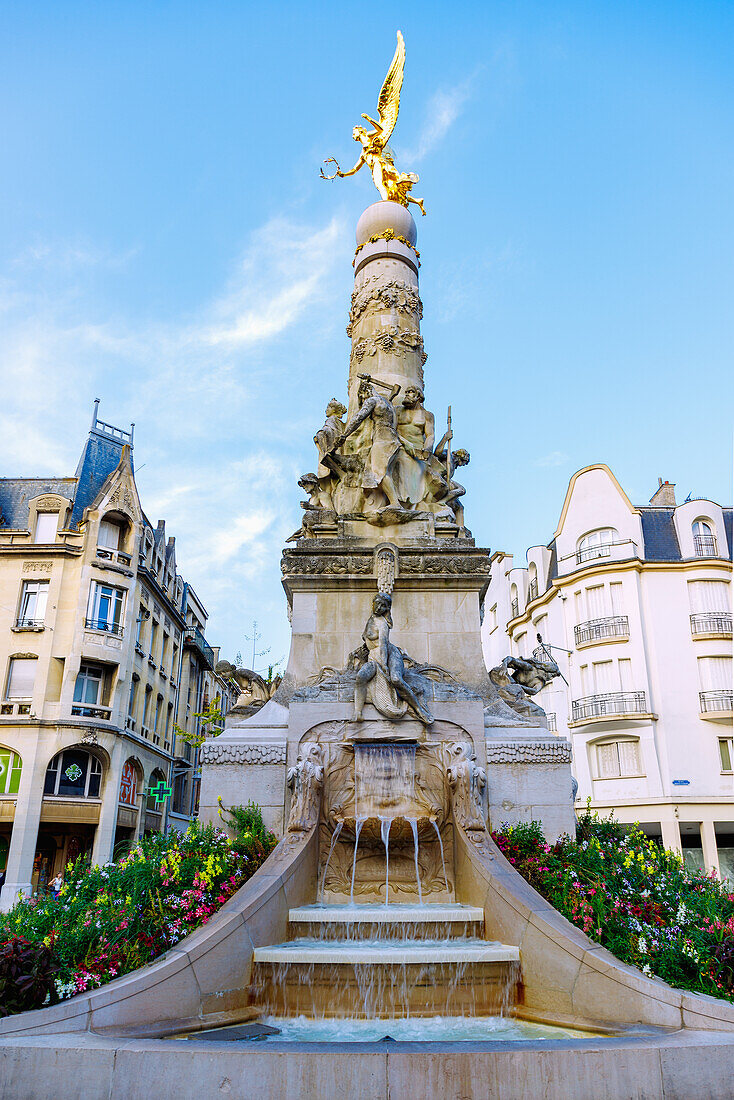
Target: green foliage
column 635, row 897
column 109, row 920
column 210, row 719
column 26, row 975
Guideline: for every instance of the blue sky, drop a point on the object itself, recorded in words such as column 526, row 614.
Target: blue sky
column 166, row 244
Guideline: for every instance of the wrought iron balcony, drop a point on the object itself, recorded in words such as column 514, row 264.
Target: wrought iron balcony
column 704, row 546
column 195, row 640
column 514, row 609
column 104, row 625
column 610, row 705
column 552, row 723
column 601, row 550
column 711, row 622
column 533, row 590
column 713, row 702
column 82, row 711
column 598, row 630
column 29, row 624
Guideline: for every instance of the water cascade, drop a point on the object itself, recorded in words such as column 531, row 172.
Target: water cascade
column 385, row 959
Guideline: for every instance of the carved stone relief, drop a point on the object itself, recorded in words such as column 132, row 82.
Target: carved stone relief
column 306, row 781
column 467, row 781
column 214, row 752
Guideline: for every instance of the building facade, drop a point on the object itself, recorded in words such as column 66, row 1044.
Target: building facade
column 98, row 632
column 636, row 605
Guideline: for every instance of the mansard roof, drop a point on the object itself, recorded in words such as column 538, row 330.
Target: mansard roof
column 658, row 531
column 101, row 456
column 16, row 493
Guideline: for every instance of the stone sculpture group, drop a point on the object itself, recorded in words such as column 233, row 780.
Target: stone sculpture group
column 382, row 465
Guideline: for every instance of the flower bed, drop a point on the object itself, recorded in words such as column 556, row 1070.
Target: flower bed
column 635, row 898
column 110, row 920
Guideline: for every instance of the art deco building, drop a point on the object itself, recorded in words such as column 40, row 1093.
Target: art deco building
column 637, row 602
column 102, row 651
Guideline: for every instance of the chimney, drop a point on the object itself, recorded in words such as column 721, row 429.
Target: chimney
column 664, row 497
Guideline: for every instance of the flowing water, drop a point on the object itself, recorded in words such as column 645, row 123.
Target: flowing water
column 358, row 966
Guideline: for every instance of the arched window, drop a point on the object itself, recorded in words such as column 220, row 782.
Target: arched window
column 617, row 759
column 10, row 769
column 73, row 773
column 514, row 603
column 129, row 784
column 704, row 539
column 151, row 805
column 596, row 544
column 533, row 585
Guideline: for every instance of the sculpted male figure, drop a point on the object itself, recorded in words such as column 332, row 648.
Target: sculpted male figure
column 326, row 438
column 416, row 425
column 379, row 468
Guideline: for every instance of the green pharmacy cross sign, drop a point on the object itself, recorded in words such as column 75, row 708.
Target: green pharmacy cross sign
column 160, row 792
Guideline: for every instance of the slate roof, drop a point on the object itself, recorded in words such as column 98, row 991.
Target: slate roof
column 659, row 535
column 101, row 455
column 727, row 527
column 17, row 492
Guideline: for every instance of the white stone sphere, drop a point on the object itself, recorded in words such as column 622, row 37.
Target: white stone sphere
column 386, row 215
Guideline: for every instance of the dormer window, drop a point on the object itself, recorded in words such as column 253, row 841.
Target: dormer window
column 704, row 539
column 514, row 602
column 533, row 585
column 110, row 535
column 47, row 524
column 596, row 544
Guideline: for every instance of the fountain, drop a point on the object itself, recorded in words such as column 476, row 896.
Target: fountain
column 386, row 911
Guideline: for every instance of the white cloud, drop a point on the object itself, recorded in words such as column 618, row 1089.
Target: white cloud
column 218, row 421
column 555, row 458
column 444, row 108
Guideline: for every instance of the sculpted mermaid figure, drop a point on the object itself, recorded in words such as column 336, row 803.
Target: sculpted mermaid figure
column 385, row 663
column 376, row 153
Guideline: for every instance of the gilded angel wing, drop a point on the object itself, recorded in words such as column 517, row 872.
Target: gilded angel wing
column 389, row 101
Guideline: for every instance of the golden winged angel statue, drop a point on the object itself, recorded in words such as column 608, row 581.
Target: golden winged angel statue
column 376, row 153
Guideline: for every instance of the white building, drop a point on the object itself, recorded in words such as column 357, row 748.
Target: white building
column 637, row 602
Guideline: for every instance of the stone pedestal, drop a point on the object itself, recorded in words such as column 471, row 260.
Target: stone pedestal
column 529, row 779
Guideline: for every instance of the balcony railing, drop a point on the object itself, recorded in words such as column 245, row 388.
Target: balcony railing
column 551, row 720
column 598, row 630
column 105, row 554
column 713, row 702
column 105, row 626
column 704, row 546
column 711, row 622
column 609, row 705
column 194, row 639
column 533, row 590
column 29, row 624
column 514, row 609
column 82, row 711
column 602, row 550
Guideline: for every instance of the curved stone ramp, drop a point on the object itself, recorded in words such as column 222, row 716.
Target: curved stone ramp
column 204, row 980
column 568, row 978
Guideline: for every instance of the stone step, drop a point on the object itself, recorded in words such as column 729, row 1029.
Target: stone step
column 390, row 953
column 386, row 922
column 371, row 914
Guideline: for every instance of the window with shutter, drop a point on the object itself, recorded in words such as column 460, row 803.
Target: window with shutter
column 47, row 524
column 21, row 677
column 608, row 761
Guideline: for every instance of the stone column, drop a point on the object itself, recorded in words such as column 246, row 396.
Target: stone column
column 710, row 849
column 384, row 320
column 671, row 834
column 25, row 828
column 104, row 838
